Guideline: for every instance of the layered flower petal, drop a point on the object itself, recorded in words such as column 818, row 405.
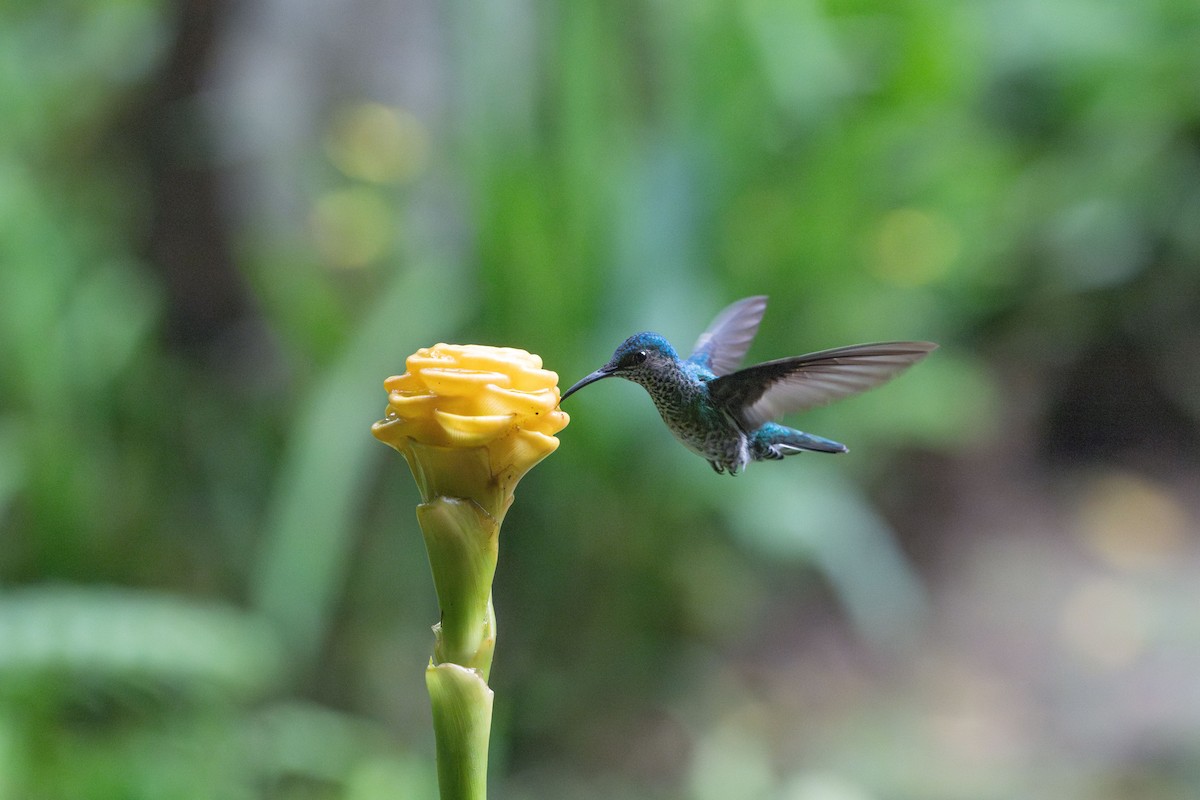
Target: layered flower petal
column 499, row 399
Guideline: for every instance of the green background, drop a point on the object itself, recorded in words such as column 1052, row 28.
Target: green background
column 223, row 224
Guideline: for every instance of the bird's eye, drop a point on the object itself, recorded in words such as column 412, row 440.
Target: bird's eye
column 638, row 357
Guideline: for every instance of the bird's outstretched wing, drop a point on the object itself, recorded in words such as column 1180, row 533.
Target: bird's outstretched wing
column 767, row 391
column 722, row 347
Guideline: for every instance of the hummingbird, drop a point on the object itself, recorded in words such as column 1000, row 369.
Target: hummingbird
column 726, row 414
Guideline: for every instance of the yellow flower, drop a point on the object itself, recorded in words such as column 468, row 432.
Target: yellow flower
column 472, row 420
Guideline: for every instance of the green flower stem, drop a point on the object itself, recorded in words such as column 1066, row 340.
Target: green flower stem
column 462, row 540
column 462, row 472
column 462, row 721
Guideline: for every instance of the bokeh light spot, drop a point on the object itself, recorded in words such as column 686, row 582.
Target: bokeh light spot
column 1130, row 522
column 352, row 227
column 913, row 247
column 1105, row 621
column 378, row 143
column 977, row 716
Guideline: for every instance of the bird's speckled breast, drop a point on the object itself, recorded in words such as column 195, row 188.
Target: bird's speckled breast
column 682, row 400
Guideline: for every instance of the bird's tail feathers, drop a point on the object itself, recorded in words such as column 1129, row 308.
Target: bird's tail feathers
column 774, row 441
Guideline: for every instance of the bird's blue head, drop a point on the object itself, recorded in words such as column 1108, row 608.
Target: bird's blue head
column 637, row 359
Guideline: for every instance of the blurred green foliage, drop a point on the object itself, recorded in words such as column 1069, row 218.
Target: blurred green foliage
column 213, row 580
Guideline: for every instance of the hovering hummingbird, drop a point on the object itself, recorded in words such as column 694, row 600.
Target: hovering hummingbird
column 726, row 414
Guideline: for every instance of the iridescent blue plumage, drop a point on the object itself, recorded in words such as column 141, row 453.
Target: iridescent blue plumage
column 727, row 415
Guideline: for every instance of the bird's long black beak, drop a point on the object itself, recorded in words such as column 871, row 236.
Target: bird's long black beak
column 595, row 376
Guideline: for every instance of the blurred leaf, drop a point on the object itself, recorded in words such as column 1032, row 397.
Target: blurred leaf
column 122, row 635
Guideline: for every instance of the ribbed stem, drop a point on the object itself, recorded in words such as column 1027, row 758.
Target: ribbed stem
column 462, row 723
column 462, row 542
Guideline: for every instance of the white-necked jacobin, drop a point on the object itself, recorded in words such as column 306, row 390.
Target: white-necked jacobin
column 728, row 415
